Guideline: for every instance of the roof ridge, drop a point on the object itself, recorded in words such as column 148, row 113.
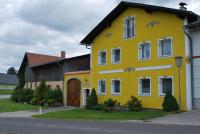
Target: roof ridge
column 41, row 54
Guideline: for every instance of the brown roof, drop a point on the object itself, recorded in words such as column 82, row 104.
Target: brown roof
column 36, row 59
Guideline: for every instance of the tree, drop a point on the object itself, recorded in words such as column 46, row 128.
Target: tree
column 170, row 103
column 12, row 70
column 92, row 100
column 40, row 92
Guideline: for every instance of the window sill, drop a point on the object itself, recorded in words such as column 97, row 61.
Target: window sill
column 101, row 94
column 165, row 56
column 103, row 64
column 144, row 95
column 116, row 94
column 144, row 59
column 115, row 62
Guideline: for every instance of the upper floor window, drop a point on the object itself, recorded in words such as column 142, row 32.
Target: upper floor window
column 165, row 84
column 144, row 51
column 102, row 58
column 115, row 55
column 115, row 86
column 165, row 47
column 102, row 86
column 144, row 85
column 129, row 27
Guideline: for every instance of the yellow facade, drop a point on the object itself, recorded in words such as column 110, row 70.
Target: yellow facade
column 83, row 77
column 167, row 25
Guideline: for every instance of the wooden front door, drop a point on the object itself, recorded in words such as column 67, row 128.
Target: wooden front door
column 73, row 93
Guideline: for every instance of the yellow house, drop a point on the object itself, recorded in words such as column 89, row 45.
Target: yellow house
column 132, row 54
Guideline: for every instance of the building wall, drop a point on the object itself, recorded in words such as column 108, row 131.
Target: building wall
column 51, row 84
column 84, row 77
column 168, row 25
column 7, row 87
column 196, row 67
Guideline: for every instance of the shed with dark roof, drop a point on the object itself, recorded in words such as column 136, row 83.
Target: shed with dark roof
column 8, row 81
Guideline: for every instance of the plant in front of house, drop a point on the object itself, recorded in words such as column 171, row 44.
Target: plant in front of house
column 92, row 100
column 22, row 95
column 134, row 104
column 170, row 103
column 40, row 92
column 109, row 104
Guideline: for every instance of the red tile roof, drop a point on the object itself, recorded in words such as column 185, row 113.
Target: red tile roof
column 36, row 59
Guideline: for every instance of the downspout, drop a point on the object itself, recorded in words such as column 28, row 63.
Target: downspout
column 191, row 55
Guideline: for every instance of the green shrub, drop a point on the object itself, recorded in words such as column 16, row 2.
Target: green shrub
column 34, row 101
column 40, row 91
column 58, row 95
column 92, row 100
column 49, row 94
column 98, row 107
column 17, row 95
column 28, row 95
column 109, row 104
column 22, row 95
column 51, row 102
column 134, row 104
column 170, row 103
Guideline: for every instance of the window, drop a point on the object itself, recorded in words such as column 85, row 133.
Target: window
column 102, row 57
column 165, row 84
column 116, row 55
column 165, row 47
column 144, row 86
column 115, row 86
column 31, row 85
column 129, row 27
column 144, row 51
column 102, row 86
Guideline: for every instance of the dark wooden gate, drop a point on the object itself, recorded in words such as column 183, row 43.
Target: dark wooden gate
column 73, row 93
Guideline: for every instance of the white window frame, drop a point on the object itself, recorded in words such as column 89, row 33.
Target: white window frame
column 100, row 57
column 158, row 46
column 99, row 88
column 125, row 27
column 160, row 93
column 140, row 52
column 112, row 58
column 140, row 86
column 112, row 87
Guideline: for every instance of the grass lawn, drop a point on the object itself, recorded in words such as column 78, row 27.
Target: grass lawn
column 6, row 105
column 101, row 115
column 3, row 92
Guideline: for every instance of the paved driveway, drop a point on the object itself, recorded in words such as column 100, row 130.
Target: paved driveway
column 49, row 126
column 192, row 118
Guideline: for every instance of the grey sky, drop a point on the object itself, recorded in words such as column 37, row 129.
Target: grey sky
column 50, row 26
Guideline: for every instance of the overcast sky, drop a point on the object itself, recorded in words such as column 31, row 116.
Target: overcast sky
column 50, row 26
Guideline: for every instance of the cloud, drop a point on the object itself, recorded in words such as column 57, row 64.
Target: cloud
column 50, row 26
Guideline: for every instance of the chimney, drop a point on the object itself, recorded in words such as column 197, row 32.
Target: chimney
column 182, row 6
column 63, row 54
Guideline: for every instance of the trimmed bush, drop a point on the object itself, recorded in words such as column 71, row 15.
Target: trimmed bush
column 22, row 95
column 58, row 96
column 28, row 95
column 51, row 102
column 109, row 104
column 98, row 107
column 92, row 100
column 134, row 104
column 40, row 91
column 170, row 103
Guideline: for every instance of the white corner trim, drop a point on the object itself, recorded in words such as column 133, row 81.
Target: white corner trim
column 153, row 68
column 188, row 71
column 111, row 71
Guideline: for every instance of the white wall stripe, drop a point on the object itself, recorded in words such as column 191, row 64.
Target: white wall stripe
column 136, row 69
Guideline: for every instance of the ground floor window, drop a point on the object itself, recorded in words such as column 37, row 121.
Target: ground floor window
column 102, row 87
column 165, row 84
column 144, row 86
column 115, row 86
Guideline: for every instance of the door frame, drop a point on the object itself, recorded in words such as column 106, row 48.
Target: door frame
column 84, row 97
column 67, row 89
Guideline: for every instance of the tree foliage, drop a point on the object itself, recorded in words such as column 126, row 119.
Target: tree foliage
column 12, row 70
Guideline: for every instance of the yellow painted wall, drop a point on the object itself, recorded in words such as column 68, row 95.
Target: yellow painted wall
column 83, row 76
column 169, row 26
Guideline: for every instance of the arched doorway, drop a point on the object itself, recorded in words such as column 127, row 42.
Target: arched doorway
column 73, row 92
